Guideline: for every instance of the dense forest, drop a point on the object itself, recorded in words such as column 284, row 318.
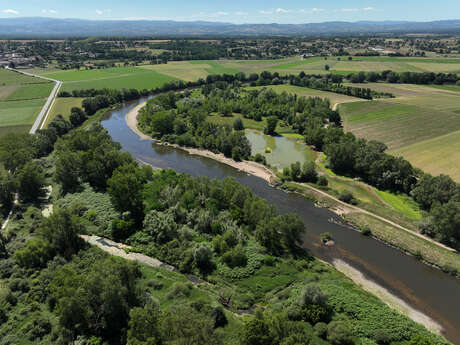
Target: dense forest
column 242, row 277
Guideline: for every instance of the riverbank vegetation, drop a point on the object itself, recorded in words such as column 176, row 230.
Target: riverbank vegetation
column 241, row 276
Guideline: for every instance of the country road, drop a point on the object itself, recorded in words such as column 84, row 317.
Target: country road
column 41, row 118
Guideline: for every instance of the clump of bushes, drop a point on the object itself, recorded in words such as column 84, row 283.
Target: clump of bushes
column 348, row 197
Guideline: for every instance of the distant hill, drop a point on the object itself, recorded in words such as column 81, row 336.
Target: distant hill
column 52, row 27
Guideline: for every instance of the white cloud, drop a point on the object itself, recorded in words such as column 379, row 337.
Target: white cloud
column 265, row 12
column 10, row 11
column 282, row 10
column 49, row 11
column 350, row 9
column 240, row 13
column 101, row 12
column 313, row 10
column 221, row 13
column 368, row 9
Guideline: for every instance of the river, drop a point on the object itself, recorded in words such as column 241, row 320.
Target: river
column 424, row 288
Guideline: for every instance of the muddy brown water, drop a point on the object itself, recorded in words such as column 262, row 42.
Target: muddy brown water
column 424, row 288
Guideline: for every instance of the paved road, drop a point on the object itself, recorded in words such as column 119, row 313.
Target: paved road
column 49, row 102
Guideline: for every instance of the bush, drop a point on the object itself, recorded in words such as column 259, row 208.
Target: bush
column 202, row 256
column 321, row 330
column 339, row 333
column 235, row 257
column 220, row 320
column 322, row 181
column 348, row 197
column 238, row 124
column 260, row 158
column 178, row 290
column 366, row 231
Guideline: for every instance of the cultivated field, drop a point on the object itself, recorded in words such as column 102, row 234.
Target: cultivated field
column 421, row 124
column 21, row 99
column 115, row 78
column 440, row 155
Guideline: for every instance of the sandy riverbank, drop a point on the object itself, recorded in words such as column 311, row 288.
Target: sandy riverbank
column 387, row 297
column 249, row 167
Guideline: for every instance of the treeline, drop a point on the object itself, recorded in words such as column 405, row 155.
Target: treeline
column 404, row 77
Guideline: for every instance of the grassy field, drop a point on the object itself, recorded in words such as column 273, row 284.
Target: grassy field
column 62, row 106
column 13, row 78
column 455, row 88
column 440, row 155
column 31, row 91
column 115, row 78
column 421, row 124
column 402, row 203
column 21, row 98
column 15, row 113
column 398, row 123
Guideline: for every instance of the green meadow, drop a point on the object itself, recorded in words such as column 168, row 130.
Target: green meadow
column 115, row 78
column 21, row 99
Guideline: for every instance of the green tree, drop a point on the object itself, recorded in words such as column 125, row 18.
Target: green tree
column 16, row 150
column 66, row 170
column 238, row 124
column 270, row 128
column 183, row 325
column 77, row 116
column 309, row 173
column 7, row 188
column 256, row 332
column 144, row 326
column 30, row 182
column 125, row 187
column 62, row 230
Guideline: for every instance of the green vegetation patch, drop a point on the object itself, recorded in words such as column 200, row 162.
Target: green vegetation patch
column 14, row 78
column 13, row 113
column 402, row 203
column 31, row 91
column 114, row 78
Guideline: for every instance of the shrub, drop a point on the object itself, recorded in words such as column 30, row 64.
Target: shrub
column 238, row 124
column 178, row 290
column 315, row 313
column 235, row 257
column 347, row 196
column 312, row 294
column 321, row 330
column 220, row 320
column 260, row 158
column 339, row 333
column 366, row 231
column 322, row 181
column 202, row 256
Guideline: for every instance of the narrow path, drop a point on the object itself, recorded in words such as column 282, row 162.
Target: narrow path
column 43, row 115
column 5, row 223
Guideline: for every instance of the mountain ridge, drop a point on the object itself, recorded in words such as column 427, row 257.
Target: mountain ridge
column 71, row 27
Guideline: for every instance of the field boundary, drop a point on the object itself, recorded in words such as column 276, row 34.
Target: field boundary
column 41, row 118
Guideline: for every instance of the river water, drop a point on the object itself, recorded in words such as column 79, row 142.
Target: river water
column 424, row 288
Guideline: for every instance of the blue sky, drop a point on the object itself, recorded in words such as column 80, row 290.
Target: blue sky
column 236, row 11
